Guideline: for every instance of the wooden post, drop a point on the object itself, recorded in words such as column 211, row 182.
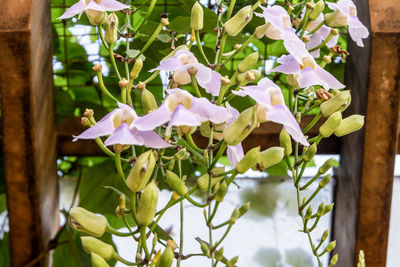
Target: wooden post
column 29, row 136
column 365, row 177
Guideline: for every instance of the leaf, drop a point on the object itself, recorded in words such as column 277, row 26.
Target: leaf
column 4, row 251
column 132, row 53
column 180, row 24
column 164, row 37
column 161, row 234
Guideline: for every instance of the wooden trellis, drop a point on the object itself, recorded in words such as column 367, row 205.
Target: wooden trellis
column 363, row 183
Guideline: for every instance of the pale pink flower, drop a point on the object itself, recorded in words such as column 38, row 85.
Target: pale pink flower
column 92, row 5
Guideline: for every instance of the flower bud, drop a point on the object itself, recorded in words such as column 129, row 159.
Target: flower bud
column 326, row 166
column 331, row 246
column 328, row 208
column 325, row 235
column 147, row 205
column 182, row 154
column 248, row 76
column 325, row 181
column 149, row 102
column 310, row 153
column 141, row 172
column 308, row 214
column 219, row 255
column 249, row 160
column 94, row 245
column 234, row 260
column 205, row 249
column 171, row 164
column 261, row 30
column 196, row 17
column 331, row 124
column 248, row 62
column 271, row 156
column 337, row 103
column 321, row 210
column 98, row 261
column 166, row 258
column 85, row 221
column 238, row 130
column 203, row 181
column 349, row 125
column 335, row 19
column 111, row 29
column 221, row 192
column 239, row 21
column 334, row 260
column 176, row 183
column 318, row 8
column 235, row 215
column 137, row 67
column 285, row 142
column 244, row 209
column 361, row 259
column 96, row 17
column 182, row 130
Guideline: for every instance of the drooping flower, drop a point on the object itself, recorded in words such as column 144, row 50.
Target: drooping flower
column 93, row 8
column 182, row 109
column 345, row 13
column 119, row 126
column 279, row 27
column 318, row 37
column 307, row 73
column 184, row 61
column 271, row 107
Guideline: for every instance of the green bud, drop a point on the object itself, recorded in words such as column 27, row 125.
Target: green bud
column 331, row 246
column 203, row 181
column 98, row 261
column 325, row 235
column 85, row 221
column 238, row 130
column 219, row 255
column 141, row 172
column 234, row 260
column 335, row 19
column 221, row 192
column 318, row 8
column 205, row 249
column 196, row 17
column 155, row 239
column 244, row 209
column 111, row 29
column 261, row 30
column 96, row 17
column 328, row 208
column 326, row 166
column 94, row 245
column 239, row 21
column 361, row 259
column 349, row 125
column 249, row 160
column 331, row 124
column 271, row 156
column 248, row 62
column 122, row 202
column 334, row 260
column 321, row 210
column 147, row 205
column 171, row 165
column 310, row 153
column 166, row 258
column 325, row 181
column 337, row 103
column 182, row 154
column 176, row 183
column 286, row 142
column 137, row 67
column 308, row 214
column 248, row 76
column 235, row 215
column 149, row 102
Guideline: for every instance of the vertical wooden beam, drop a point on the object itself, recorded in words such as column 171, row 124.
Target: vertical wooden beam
column 29, row 135
column 365, row 177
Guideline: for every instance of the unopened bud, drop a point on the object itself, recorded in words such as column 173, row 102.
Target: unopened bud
column 237, row 46
column 337, row 103
column 97, row 67
column 141, row 172
column 308, row 214
column 123, row 83
column 219, row 255
column 192, row 71
column 249, row 160
column 137, row 67
column 171, row 164
column 349, row 125
column 182, row 130
column 141, row 85
column 147, row 205
column 149, row 102
column 197, row 17
column 182, row 154
column 321, row 210
column 85, row 122
column 176, row 183
column 327, row 59
column 235, row 215
column 94, row 245
column 248, row 62
column 85, row 221
column 239, row 129
column 203, row 181
column 325, row 181
column 328, row 208
column 285, row 142
column 88, row 113
column 205, row 249
column 98, row 261
column 221, row 192
column 166, row 258
column 326, row 166
column 234, row 260
column 261, row 30
column 331, row 246
column 317, row 10
column 244, row 209
column 271, row 156
column 334, row 32
column 96, row 17
column 306, row 38
column 111, row 29
column 248, row 76
column 236, row 24
column 325, row 235
column 164, row 21
column 225, row 80
column 310, row 153
column 361, row 259
column 334, row 260
column 331, row 124
column 336, row 19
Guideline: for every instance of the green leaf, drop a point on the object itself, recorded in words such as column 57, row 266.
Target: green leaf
column 132, row 53
column 164, row 37
column 4, row 251
column 180, row 24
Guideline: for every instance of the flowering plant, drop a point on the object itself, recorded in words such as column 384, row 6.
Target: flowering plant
column 150, row 139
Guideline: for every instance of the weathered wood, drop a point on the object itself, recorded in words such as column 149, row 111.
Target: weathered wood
column 365, row 178
column 29, row 136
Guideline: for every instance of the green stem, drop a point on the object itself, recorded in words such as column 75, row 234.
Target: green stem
column 221, row 50
column 223, row 237
column 103, row 88
column 151, row 40
column 119, row 168
column 256, row 5
column 103, row 147
column 200, row 47
column 123, row 94
column 152, row 77
column 244, row 45
column 213, row 213
column 195, row 85
column 191, row 200
column 315, row 224
column 178, row 263
column 291, row 95
column 100, row 32
column 148, row 13
column 143, row 238
column 312, row 123
column 191, row 142
column 311, row 197
column 317, row 28
column 310, row 181
column 230, row 9
column 114, row 64
column 113, row 231
column 323, row 43
column 118, row 258
column 218, row 156
column 221, row 225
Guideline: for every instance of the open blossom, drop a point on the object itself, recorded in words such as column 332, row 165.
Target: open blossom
column 271, row 107
column 279, row 27
column 184, row 61
column 92, row 6
column 180, row 108
column 345, row 13
column 234, row 153
column 119, row 126
column 307, row 73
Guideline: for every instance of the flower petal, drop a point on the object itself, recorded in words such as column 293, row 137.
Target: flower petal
column 153, row 119
column 289, row 65
column 328, row 78
column 207, row 111
column 294, row 45
column 74, row 10
column 112, row 5
column 183, row 117
column 258, row 93
column 357, row 30
column 208, row 79
column 101, row 128
column 151, row 139
column 123, row 136
column 235, row 154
